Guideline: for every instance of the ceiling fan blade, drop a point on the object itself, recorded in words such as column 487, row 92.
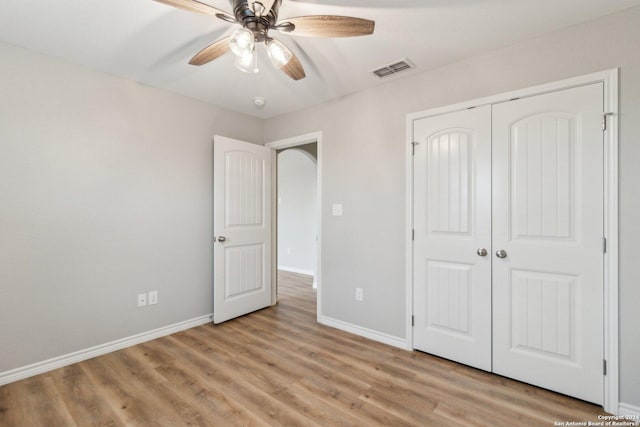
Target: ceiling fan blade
column 196, row 6
column 211, row 52
column 328, row 26
column 294, row 69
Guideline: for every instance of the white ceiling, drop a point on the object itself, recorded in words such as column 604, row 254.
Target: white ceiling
column 152, row 43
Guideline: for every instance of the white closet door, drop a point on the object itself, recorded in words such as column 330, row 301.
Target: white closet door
column 452, row 221
column 548, row 220
column 242, row 223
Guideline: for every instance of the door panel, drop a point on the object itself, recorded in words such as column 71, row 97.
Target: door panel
column 448, row 181
column 548, row 217
column 242, row 217
column 244, row 187
column 543, row 185
column 448, row 297
column 543, row 306
column 452, row 190
column 244, row 270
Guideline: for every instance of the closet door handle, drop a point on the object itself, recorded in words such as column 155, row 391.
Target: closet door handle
column 501, row 253
column 222, row 239
column 481, row 252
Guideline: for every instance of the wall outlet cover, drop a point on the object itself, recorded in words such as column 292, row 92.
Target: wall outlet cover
column 142, row 300
column 336, row 209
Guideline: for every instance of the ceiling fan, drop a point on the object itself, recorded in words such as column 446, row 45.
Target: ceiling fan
column 257, row 18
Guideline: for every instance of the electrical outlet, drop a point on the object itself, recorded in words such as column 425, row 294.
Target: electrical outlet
column 153, row 297
column 336, row 209
column 142, row 300
column 359, row 294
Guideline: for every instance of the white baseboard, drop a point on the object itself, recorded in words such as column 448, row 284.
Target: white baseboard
column 364, row 332
column 296, row 270
column 89, row 353
column 630, row 411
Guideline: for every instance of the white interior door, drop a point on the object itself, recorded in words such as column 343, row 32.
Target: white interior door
column 242, row 228
column 548, row 220
column 452, row 225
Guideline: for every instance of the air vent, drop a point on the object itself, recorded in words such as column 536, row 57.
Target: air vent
column 394, row 68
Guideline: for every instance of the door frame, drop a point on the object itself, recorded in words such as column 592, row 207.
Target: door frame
column 296, row 141
column 610, row 301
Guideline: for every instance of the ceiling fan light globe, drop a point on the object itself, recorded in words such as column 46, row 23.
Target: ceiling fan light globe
column 248, row 62
column 279, row 54
column 242, row 42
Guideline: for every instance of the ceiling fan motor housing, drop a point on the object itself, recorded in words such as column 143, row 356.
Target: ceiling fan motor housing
column 258, row 25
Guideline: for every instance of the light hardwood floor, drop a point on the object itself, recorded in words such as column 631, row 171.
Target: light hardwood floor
column 278, row 367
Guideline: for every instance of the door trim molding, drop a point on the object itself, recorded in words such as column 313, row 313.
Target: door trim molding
column 610, row 304
column 288, row 143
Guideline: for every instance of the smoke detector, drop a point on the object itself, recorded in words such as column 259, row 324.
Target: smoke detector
column 259, row 102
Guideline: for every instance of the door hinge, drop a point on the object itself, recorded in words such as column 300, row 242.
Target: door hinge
column 413, row 148
column 604, row 245
column 413, row 234
column 412, row 320
column 604, row 367
column 604, row 120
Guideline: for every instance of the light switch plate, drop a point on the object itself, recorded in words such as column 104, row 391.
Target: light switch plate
column 336, row 209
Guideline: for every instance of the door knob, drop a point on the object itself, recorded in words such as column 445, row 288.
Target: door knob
column 501, row 253
column 222, row 239
column 481, row 252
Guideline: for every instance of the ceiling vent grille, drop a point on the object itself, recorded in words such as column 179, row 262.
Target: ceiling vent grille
column 394, row 68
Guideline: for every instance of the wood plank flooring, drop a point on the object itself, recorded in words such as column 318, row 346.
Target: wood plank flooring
column 278, row 367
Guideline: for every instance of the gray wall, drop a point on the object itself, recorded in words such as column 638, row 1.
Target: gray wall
column 105, row 192
column 363, row 168
column 297, row 210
